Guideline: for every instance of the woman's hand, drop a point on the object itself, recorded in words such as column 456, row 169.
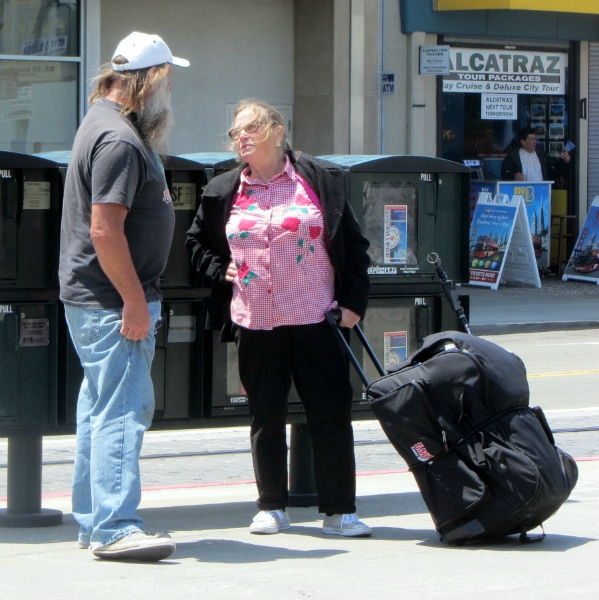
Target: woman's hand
column 231, row 272
column 348, row 317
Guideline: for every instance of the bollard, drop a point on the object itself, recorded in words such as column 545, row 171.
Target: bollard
column 24, row 486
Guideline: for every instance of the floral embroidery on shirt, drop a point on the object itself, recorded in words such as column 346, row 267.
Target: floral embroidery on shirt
column 290, row 224
column 244, row 229
column 313, row 233
column 245, row 201
column 244, row 273
column 300, row 204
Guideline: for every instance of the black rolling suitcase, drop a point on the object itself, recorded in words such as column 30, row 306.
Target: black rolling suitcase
column 457, row 411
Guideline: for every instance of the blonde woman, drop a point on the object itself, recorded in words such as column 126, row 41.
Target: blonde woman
column 281, row 246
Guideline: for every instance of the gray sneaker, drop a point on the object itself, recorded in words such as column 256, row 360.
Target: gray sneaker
column 148, row 547
column 346, row 525
column 270, row 521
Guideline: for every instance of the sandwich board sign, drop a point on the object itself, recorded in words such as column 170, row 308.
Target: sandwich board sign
column 537, row 201
column 501, row 248
column 584, row 261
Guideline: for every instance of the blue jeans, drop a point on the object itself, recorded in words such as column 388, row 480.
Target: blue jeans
column 114, row 408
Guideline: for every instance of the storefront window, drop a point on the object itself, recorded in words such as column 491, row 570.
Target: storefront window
column 39, row 74
column 490, row 95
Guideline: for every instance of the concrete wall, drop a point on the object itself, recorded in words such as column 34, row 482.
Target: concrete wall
column 341, row 46
column 314, row 76
column 338, row 56
column 409, row 117
column 320, row 58
column 237, row 49
column 336, row 63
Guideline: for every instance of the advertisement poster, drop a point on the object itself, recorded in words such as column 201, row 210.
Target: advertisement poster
column 484, row 70
column 490, row 233
column 396, row 234
column 584, row 261
column 476, row 189
column 395, row 348
column 390, row 222
column 537, row 201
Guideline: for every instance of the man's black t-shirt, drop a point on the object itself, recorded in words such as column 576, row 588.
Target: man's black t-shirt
column 111, row 164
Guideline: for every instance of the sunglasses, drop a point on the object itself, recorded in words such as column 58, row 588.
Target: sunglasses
column 250, row 129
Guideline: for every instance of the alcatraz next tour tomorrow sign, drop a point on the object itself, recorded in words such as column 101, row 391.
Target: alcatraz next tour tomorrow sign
column 475, row 70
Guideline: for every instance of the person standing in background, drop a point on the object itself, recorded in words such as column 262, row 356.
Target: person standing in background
column 529, row 163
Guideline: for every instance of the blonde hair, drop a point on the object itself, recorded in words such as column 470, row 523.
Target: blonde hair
column 259, row 113
column 135, row 82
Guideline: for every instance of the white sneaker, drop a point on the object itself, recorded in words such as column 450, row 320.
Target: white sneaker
column 150, row 547
column 270, row 521
column 346, row 525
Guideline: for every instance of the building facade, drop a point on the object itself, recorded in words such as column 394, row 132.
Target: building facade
column 347, row 74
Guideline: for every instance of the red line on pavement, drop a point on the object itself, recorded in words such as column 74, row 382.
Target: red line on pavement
column 196, row 485
column 226, row 483
column 389, row 472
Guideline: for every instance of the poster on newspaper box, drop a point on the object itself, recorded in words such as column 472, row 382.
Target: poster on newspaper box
column 396, row 234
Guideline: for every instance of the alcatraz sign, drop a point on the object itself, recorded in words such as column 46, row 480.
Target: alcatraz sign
column 482, row 70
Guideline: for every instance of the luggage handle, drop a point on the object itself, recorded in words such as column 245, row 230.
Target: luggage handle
column 333, row 317
column 447, row 286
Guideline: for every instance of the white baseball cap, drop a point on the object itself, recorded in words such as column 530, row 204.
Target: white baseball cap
column 143, row 50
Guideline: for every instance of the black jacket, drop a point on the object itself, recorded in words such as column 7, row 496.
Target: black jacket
column 210, row 254
column 512, row 165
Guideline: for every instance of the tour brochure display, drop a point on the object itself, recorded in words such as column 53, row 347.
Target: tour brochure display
column 501, row 247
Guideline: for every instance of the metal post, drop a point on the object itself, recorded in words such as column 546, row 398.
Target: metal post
column 24, row 485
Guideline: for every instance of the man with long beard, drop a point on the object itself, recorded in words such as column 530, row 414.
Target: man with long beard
column 117, row 229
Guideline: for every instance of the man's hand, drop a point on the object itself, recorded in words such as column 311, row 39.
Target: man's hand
column 518, row 176
column 136, row 320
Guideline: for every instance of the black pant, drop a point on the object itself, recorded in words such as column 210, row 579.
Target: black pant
column 312, row 356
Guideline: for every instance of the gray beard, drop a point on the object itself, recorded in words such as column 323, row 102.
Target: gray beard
column 155, row 120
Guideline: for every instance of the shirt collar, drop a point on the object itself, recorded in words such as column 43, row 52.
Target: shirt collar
column 288, row 171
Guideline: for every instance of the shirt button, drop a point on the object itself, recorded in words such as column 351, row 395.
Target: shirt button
column 267, row 267
column 270, row 291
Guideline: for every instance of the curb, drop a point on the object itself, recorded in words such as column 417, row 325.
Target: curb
column 506, row 328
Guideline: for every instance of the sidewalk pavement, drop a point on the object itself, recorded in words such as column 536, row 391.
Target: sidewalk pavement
column 557, row 305
column 217, row 558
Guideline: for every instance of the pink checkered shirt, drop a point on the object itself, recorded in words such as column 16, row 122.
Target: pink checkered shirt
column 277, row 240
